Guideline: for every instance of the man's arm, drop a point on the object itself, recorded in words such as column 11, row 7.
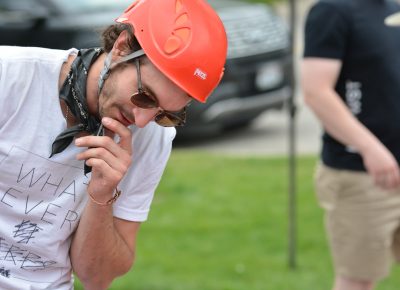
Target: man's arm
column 319, row 77
column 103, row 247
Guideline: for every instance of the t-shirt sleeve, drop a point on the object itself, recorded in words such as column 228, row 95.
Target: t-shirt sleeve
column 152, row 147
column 3, row 116
column 326, row 31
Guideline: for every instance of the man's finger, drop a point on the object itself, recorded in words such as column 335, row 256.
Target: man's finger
column 123, row 132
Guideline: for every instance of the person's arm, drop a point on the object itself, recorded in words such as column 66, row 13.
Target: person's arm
column 319, row 76
column 103, row 247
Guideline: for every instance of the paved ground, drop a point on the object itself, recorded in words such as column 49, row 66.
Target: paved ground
column 269, row 133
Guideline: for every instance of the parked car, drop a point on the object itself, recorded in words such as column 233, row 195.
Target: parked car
column 257, row 76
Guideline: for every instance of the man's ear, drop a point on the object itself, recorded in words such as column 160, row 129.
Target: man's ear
column 121, row 45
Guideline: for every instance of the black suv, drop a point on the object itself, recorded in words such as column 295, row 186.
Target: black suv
column 257, row 69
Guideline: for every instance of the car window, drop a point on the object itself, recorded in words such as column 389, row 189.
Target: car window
column 20, row 10
column 17, row 5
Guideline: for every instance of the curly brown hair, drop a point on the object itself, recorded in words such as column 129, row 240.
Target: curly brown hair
column 111, row 33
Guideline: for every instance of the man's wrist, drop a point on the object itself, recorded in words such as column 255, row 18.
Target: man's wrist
column 108, row 202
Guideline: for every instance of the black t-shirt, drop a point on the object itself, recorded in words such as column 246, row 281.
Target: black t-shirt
column 354, row 32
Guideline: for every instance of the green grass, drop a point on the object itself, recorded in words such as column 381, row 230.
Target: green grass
column 220, row 223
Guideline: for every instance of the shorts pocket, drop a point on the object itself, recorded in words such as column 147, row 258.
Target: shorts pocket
column 327, row 184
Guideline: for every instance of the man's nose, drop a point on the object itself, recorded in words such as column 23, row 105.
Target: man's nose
column 143, row 116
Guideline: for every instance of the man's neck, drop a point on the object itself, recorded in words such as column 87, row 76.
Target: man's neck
column 66, row 67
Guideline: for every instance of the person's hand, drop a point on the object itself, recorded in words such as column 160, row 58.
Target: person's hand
column 382, row 166
column 109, row 160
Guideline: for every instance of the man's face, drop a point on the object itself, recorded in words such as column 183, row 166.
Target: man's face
column 115, row 98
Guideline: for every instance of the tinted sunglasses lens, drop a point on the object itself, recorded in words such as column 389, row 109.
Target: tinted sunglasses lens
column 143, row 100
column 168, row 120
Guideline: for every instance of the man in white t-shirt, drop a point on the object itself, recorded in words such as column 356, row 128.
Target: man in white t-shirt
column 85, row 136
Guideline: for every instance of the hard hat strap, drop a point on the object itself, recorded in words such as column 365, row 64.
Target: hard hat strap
column 108, row 65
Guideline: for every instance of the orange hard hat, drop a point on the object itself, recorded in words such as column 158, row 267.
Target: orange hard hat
column 184, row 39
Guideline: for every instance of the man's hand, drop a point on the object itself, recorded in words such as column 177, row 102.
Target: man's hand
column 109, row 160
column 103, row 246
column 382, row 166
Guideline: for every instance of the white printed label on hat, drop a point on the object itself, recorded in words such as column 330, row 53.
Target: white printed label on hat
column 199, row 73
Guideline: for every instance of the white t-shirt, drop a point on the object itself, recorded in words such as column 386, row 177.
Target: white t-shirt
column 41, row 199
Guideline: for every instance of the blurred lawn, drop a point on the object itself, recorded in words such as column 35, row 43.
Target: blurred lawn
column 220, row 223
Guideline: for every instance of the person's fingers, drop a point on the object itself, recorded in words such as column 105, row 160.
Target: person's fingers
column 105, row 172
column 389, row 179
column 124, row 133
column 104, row 142
column 396, row 177
column 392, row 179
column 104, row 154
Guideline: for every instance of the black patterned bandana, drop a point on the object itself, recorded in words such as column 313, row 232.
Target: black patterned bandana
column 73, row 92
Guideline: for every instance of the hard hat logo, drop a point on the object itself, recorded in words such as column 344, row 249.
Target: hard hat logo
column 199, row 73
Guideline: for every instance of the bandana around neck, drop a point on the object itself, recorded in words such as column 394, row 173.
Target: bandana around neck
column 73, row 92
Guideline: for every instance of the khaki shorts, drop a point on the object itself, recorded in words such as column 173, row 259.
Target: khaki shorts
column 362, row 223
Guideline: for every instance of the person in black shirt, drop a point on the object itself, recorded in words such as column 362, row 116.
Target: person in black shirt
column 351, row 80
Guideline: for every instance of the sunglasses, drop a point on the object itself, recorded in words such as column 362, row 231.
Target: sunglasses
column 145, row 100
